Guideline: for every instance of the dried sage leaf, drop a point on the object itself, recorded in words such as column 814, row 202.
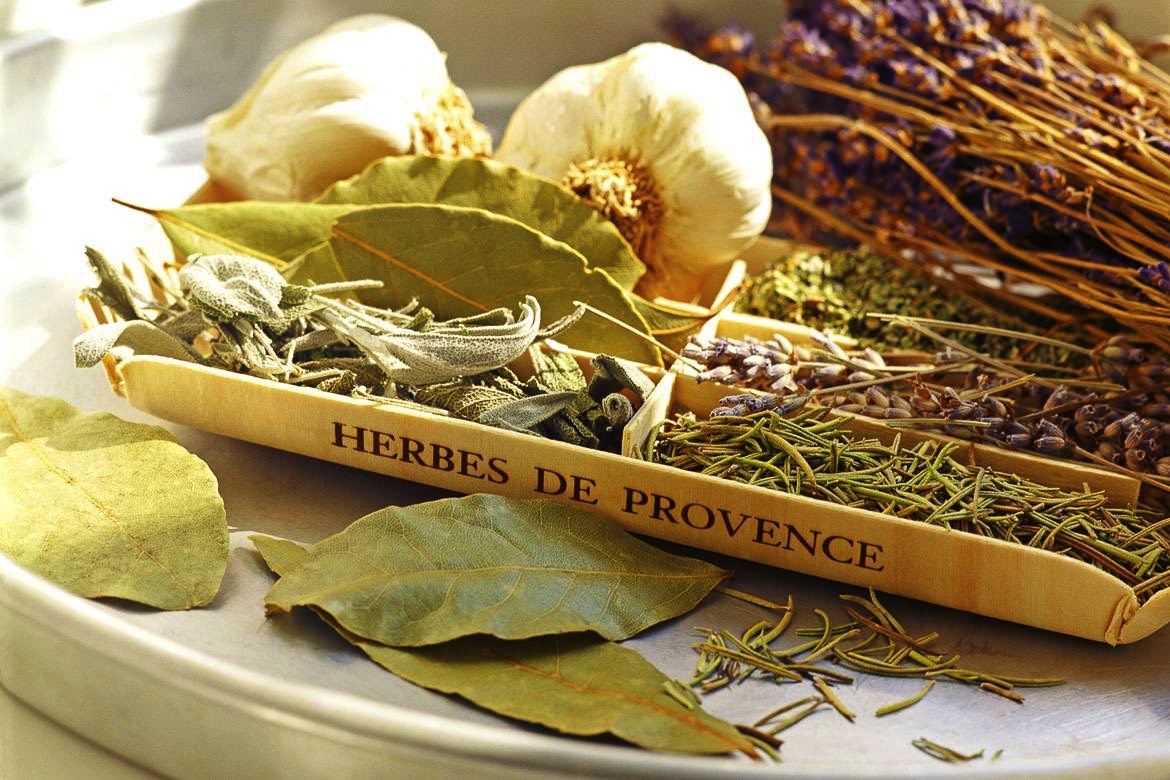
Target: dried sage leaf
column 512, row 568
column 575, row 684
column 139, row 336
column 540, row 203
column 230, row 287
column 112, row 289
column 618, row 409
column 612, row 374
column 525, row 413
column 105, row 507
column 556, row 371
column 462, row 261
column 444, row 351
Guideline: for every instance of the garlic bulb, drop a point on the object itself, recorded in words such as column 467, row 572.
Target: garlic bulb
column 365, row 88
column 664, row 145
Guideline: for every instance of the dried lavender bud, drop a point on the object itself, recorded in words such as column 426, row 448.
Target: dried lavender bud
column 874, row 357
column 1019, row 440
column 745, row 403
column 899, row 402
column 1119, row 427
column 875, row 397
column 1136, row 459
column 826, row 375
column 887, row 412
column 718, row 374
column 1162, row 467
column 1109, row 452
column 782, row 344
column 1051, row 445
column 1154, row 372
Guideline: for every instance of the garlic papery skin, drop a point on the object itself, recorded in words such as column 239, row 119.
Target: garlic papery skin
column 664, row 145
column 367, row 87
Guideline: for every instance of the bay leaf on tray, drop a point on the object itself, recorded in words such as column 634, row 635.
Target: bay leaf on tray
column 280, row 555
column 276, row 233
column 108, row 508
column 575, row 684
column 512, row 568
column 461, row 261
column 533, row 200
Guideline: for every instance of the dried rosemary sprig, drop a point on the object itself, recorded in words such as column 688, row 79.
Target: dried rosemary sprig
column 813, row 454
column 944, row 753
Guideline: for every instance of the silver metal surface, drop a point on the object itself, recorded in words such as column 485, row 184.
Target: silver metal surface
column 224, row 692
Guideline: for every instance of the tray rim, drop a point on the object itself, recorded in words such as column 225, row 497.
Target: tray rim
column 389, row 725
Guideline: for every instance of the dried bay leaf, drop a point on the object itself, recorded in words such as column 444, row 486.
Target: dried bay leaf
column 280, row 555
column 108, row 508
column 276, row 233
column 667, row 325
column 457, row 261
column 540, row 203
column 575, row 684
column 461, row 261
column 512, row 568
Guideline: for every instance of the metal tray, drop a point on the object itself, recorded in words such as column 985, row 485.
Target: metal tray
column 223, row 692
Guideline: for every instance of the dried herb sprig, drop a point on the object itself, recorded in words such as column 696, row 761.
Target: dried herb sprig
column 813, row 454
column 874, row 642
column 970, row 131
column 239, row 314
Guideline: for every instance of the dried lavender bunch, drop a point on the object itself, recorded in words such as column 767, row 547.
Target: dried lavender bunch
column 973, row 130
column 835, row 290
column 812, row 455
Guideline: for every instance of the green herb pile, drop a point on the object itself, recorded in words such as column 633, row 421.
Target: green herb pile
column 836, row 290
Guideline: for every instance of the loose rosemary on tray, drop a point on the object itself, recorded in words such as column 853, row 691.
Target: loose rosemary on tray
column 830, row 656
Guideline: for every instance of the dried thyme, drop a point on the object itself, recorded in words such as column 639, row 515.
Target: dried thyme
column 835, row 290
